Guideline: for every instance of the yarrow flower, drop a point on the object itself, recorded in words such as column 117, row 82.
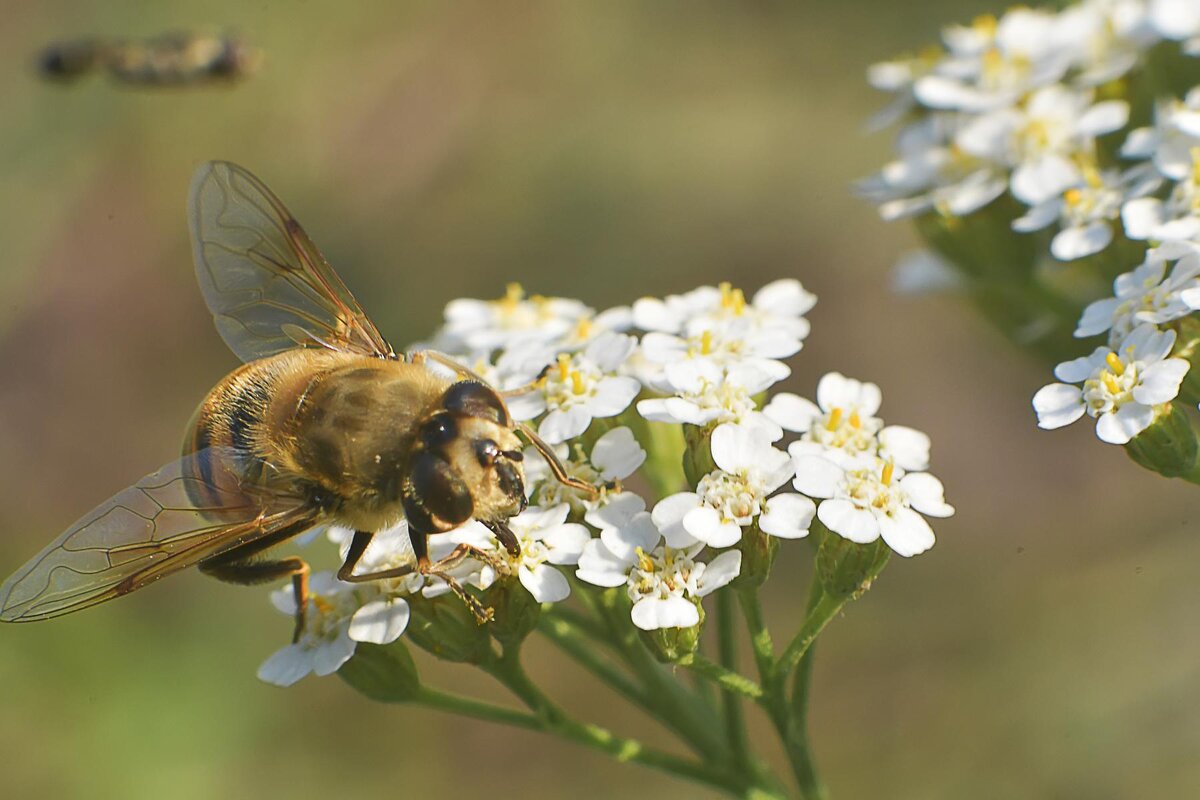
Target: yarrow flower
column 615, row 456
column 1147, row 294
column 664, row 583
column 579, row 388
column 749, row 470
column 865, row 498
column 1120, row 387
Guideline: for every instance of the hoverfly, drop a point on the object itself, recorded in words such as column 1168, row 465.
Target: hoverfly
column 324, row 424
column 173, row 59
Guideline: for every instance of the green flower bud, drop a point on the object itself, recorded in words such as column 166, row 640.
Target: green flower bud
column 846, row 568
column 385, row 673
column 1168, row 446
column 675, row 645
column 516, row 611
column 1187, row 345
column 697, row 456
column 444, row 627
column 758, row 554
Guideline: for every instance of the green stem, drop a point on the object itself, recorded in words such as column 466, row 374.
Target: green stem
column 800, row 751
column 571, row 640
column 475, row 709
column 819, row 614
column 728, row 680
column 760, row 637
column 681, row 709
column 731, row 704
column 508, row 671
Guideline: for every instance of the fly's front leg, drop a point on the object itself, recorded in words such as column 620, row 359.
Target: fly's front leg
column 559, row 470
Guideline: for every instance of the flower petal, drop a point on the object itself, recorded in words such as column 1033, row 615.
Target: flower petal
column 545, row 583
column 787, row 516
column 848, row 521
column 906, row 532
column 1058, row 404
column 380, row 621
column 652, row 613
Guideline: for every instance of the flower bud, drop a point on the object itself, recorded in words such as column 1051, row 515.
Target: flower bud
column 846, row 568
column 516, row 611
column 675, row 645
column 758, row 554
column 1168, row 446
column 697, row 455
column 385, row 673
column 1187, row 345
column 445, row 628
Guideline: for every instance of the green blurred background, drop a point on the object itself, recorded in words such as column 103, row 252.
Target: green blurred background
column 1047, row 647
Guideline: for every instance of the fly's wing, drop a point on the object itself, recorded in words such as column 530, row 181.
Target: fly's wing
column 265, row 282
column 186, row 512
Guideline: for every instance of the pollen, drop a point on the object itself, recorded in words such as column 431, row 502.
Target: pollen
column 645, row 563
column 1072, row 197
column 1115, row 364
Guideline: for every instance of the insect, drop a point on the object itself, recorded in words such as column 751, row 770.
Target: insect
column 172, row 59
column 324, row 424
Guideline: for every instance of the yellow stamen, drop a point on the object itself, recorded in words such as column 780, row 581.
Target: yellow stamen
column 835, row 419
column 888, row 469
column 1072, row 197
column 1195, row 151
column 706, row 343
column 513, row 294
column 732, row 299
column 583, row 329
column 564, row 367
column 985, row 24
column 855, row 420
column 577, row 382
column 1115, row 364
column 645, row 564
column 322, row 605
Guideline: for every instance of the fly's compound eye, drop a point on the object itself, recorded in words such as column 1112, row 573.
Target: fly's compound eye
column 475, row 399
column 438, row 431
column 487, row 452
column 437, row 498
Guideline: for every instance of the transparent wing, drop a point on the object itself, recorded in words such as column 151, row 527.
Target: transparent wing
column 267, row 285
column 185, row 513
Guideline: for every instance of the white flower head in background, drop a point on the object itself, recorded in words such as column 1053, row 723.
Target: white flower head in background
column 1086, row 210
column 1044, row 140
column 1147, row 294
column 1120, row 387
column 665, row 583
column 1171, row 141
column 580, row 387
column 864, row 498
column 1175, row 219
column 749, row 469
column 1179, row 20
column 705, row 393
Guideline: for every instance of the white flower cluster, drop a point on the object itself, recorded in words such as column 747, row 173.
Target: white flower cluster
column 1021, row 104
column 586, row 381
column 1015, row 104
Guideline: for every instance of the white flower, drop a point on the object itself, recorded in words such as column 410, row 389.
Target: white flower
column 992, row 63
column 749, row 469
column 705, row 393
column 1177, row 19
column 1147, row 294
column 547, row 540
column 579, row 388
column 1120, row 388
column 779, row 304
column 1176, row 218
column 932, row 174
column 843, row 418
column 487, row 325
column 1085, row 211
column 664, row 583
column 325, row 642
column 392, row 548
column 1043, row 139
column 1105, row 37
column 866, row 497
column 615, row 456
column 1170, row 142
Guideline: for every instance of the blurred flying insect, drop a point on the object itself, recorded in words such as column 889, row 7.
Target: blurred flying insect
column 324, row 424
column 173, row 59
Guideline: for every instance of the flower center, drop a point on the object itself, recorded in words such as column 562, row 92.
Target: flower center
column 738, row 498
column 664, row 573
column 568, row 383
column 849, row 432
column 874, row 488
column 1111, row 388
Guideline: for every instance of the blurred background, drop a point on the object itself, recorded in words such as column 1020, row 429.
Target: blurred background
column 1047, row 647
